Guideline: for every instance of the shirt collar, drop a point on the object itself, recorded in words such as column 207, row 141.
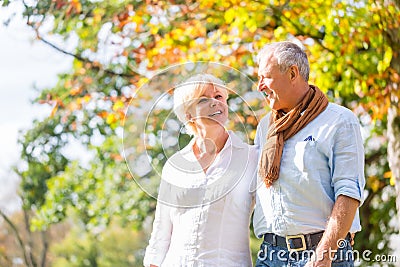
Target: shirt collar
column 233, row 140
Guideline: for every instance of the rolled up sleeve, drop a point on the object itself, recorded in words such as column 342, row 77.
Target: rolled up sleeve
column 348, row 162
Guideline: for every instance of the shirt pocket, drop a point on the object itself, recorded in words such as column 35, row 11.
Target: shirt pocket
column 304, row 156
column 299, row 157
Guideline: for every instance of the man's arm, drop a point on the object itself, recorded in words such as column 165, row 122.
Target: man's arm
column 347, row 164
column 338, row 226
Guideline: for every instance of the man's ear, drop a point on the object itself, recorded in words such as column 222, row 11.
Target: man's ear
column 294, row 72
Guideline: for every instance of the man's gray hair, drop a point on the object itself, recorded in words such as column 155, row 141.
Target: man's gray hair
column 287, row 54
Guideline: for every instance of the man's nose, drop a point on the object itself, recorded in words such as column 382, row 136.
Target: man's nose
column 261, row 85
column 213, row 102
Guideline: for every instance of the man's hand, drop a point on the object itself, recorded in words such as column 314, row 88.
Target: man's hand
column 326, row 262
column 337, row 228
column 353, row 235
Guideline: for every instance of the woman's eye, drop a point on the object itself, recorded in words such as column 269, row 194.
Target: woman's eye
column 218, row 97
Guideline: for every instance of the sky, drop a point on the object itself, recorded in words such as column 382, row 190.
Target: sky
column 25, row 64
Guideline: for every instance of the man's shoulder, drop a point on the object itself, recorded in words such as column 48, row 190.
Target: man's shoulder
column 340, row 112
column 265, row 119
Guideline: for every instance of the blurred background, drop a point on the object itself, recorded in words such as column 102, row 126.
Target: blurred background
column 69, row 70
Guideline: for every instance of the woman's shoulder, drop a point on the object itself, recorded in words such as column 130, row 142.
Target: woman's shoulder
column 251, row 150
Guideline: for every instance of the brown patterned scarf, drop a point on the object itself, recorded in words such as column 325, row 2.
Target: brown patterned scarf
column 283, row 126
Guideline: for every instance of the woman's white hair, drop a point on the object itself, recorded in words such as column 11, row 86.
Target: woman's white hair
column 192, row 89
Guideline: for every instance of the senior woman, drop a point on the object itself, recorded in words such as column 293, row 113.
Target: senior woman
column 206, row 193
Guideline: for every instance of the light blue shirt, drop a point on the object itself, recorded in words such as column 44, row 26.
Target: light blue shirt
column 322, row 161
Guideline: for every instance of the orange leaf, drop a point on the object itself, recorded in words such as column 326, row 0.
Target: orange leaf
column 387, row 174
column 102, row 114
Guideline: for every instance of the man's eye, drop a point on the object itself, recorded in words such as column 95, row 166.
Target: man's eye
column 203, row 100
column 218, row 97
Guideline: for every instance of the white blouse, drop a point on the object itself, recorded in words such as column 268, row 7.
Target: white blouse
column 202, row 219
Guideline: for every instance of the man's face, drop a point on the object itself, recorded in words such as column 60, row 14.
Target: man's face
column 274, row 84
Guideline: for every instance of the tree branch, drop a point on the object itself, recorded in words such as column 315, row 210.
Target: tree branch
column 80, row 58
column 45, row 248
column 30, row 242
column 373, row 157
column 19, row 239
column 317, row 39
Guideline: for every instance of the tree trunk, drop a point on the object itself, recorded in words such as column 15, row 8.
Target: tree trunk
column 393, row 132
column 392, row 35
column 393, row 127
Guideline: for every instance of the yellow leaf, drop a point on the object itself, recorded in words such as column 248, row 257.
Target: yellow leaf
column 153, row 29
column 280, row 33
column 253, row 134
column 229, row 15
column 78, row 64
column 86, row 98
column 251, row 24
column 118, row 105
column 142, row 81
column 137, row 19
column 54, row 110
column 111, row 118
column 375, row 185
column 287, row 13
column 392, row 181
column 385, row 63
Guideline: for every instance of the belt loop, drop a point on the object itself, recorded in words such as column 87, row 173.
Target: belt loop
column 308, row 241
column 274, row 240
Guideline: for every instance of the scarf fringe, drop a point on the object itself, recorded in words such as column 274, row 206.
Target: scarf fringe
column 272, row 176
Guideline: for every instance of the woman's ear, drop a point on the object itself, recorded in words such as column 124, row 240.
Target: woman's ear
column 189, row 117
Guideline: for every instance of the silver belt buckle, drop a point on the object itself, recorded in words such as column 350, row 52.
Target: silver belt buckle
column 303, row 242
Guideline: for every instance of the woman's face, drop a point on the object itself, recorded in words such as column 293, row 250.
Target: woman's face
column 210, row 109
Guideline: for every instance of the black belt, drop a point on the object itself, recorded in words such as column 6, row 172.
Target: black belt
column 294, row 242
column 297, row 242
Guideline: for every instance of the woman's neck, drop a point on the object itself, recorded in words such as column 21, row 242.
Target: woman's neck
column 211, row 141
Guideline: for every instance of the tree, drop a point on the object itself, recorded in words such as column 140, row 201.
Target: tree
column 41, row 153
column 21, row 246
column 116, row 246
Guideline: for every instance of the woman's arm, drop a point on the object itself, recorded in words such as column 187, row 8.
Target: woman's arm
column 160, row 237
